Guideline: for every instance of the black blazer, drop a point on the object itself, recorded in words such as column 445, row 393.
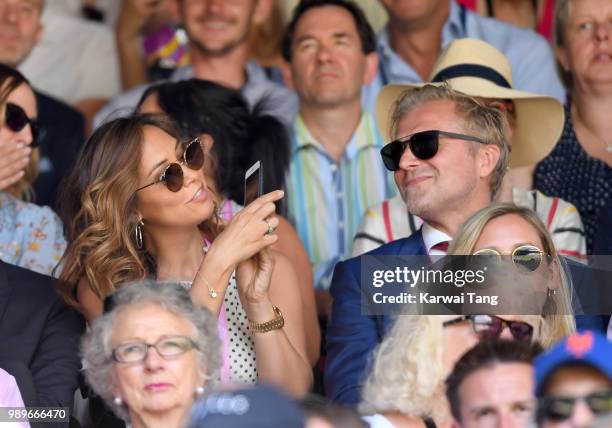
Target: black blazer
column 64, row 134
column 39, row 337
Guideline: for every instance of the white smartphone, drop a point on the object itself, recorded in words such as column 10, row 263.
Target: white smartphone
column 253, row 183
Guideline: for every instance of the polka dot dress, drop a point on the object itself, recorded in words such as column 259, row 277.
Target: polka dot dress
column 243, row 367
column 243, row 364
column 571, row 174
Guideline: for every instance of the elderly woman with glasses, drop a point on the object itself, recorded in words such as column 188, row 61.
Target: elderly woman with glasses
column 406, row 385
column 139, row 206
column 30, row 236
column 151, row 353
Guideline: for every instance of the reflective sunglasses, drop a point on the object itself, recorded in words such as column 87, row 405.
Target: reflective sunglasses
column 167, row 348
column 172, row 176
column 491, row 327
column 15, row 119
column 526, row 257
column 561, row 408
column 423, row 145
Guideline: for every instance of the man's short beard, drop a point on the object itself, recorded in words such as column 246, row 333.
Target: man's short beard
column 222, row 51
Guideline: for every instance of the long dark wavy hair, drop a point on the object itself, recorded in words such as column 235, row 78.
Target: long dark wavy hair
column 98, row 208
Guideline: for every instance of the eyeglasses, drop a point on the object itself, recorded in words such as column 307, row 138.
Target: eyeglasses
column 167, row 348
column 16, row 119
column 527, row 257
column 172, row 176
column 423, row 145
column 561, row 408
column 491, row 327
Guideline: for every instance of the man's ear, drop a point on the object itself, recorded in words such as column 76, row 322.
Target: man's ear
column 262, row 11
column 175, row 11
column 488, row 156
column 39, row 31
column 287, row 72
column 371, row 68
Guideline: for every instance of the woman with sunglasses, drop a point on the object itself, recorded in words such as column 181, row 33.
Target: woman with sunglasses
column 240, row 137
column 405, row 388
column 139, row 205
column 30, row 236
column 517, row 232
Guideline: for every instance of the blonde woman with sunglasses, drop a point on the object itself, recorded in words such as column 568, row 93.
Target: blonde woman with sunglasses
column 139, row 206
column 509, row 230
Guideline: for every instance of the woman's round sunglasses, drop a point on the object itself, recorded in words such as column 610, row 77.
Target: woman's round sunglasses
column 172, row 176
column 15, row 119
column 527, row 257
column 423, row 145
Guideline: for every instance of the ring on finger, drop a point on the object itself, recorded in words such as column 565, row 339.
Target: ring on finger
column 270, row 228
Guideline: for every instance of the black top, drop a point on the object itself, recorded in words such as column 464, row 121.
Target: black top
column 64, row 135
column 571, row 174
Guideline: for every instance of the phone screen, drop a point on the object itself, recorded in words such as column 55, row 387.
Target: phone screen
column 252, row 183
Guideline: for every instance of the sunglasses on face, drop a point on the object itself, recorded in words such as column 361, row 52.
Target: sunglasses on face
column 491, row 327
column 172, row 176
column 526, row 257
column 423, row 145
column 16, row 119
column 561, row 408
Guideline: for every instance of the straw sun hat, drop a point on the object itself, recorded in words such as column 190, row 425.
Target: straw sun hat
column 476, row 68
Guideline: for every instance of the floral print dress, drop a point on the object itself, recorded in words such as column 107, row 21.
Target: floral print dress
column 30, row 236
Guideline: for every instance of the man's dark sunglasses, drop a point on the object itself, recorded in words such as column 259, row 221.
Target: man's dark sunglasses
column 491, row 327
column 423, row 145
column 16, row 119
column 172, row 176
column 561, row 408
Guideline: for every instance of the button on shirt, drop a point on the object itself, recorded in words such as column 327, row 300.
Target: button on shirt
column 326, row 199
column 531, row 58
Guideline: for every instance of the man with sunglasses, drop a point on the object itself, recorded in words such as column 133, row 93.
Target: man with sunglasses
column 492, row 385
column 574, row 382
column 449, row 155
column 20, row 24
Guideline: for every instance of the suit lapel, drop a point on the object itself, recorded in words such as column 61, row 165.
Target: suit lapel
column 413, row 245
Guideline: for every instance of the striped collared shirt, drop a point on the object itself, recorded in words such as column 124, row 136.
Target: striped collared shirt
column 327, row 199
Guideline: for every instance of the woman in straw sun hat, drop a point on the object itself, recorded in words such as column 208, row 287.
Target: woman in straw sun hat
column 478, row 69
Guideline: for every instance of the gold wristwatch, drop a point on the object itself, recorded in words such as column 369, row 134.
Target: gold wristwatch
column 274, row 324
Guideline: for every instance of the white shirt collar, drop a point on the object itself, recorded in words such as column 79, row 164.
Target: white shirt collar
column 433, row 236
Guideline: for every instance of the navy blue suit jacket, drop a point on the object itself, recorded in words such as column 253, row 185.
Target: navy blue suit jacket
column 351, row 336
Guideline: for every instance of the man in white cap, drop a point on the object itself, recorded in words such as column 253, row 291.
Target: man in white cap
column 476, row 68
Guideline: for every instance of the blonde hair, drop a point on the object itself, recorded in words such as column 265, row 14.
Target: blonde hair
column 488, row 124
column 11, row 79
column 556, row 326
column 407, row 374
